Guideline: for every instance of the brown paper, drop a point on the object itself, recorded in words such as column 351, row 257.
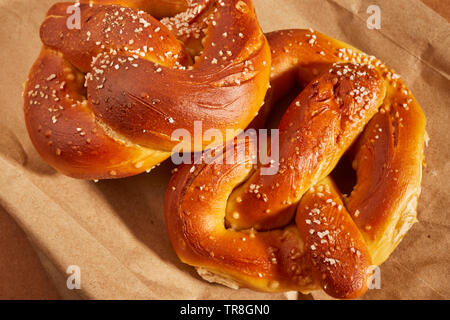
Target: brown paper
column 114, row 230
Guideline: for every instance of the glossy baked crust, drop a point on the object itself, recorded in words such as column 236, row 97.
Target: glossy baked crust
column 295, row 230
column 103, row 101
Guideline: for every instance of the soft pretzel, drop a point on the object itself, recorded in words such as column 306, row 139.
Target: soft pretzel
column 102, row 101
column 295, row 230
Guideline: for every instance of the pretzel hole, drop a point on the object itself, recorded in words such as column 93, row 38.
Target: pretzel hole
column 194, row 36
column 280, row 107
column 226, row 222
column 344, row 175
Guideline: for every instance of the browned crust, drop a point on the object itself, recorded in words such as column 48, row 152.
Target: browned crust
column 139, row 84
column 315, row 131
column 335, row 246
column 65, row 132
column 388, row 161
column 366, row 227
column 157, row 8
column 195, row 204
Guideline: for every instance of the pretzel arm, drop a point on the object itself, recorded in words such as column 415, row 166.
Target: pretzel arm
column 388, row 162
column 157, row 8
column 336, row 248
column 66, row 132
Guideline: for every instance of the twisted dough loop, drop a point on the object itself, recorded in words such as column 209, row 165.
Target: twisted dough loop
column 103, row 101
column 350, row 100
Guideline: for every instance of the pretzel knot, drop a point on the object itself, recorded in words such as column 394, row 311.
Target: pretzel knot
column 104, row 97
column 294, row 230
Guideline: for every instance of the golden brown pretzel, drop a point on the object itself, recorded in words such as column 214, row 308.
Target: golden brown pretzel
column 140, row 82
column 295, row 230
